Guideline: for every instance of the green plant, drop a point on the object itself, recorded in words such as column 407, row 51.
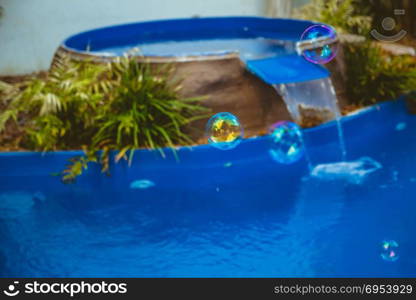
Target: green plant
column 120, row 106
column 341, row 14
column 373, row 76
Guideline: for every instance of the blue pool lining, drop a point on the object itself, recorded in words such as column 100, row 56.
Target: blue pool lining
column 186, row 30
column 377, row 111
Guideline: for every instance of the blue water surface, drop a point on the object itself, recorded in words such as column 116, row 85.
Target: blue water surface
column 218, row 213
column 263, row 44
column 248, row 48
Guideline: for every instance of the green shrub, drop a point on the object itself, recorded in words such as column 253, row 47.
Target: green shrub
column 359, row 16
column 341, row 14
column 373, row 76
column 119, row 106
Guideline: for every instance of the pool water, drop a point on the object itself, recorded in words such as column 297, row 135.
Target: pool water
column 248, row 48
column 219, row 213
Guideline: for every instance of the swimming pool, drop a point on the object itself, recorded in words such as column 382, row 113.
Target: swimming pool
column 249, row 37
column 214, row 213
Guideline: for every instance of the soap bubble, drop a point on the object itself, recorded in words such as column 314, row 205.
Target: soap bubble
column 389, row 250
column 318, row 44
column 224, row 131
column 286, row 142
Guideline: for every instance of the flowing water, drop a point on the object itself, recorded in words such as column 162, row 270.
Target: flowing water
column 311, row 103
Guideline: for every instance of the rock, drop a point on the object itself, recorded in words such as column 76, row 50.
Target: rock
column 229, row 87
column 397, row 49
column 225, row 82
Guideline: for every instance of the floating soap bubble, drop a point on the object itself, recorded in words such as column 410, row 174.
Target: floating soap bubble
column 286, row 142
column 389, row 250
column 224, row 131
column 318, row 44
column 142, row 184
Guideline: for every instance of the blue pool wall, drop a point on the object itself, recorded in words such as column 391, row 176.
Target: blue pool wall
column 362, row 127
column 201, row 184
column 187, row 29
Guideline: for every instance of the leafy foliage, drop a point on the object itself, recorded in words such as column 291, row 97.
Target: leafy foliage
column 372, row 76
column 341, row 14
column 120, row 106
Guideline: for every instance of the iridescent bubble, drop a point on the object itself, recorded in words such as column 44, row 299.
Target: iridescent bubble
column 390, row 250
column 286, row 142
column 318, row 44
column 224, row 131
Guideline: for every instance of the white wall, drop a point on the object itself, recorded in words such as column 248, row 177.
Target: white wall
column 31, row 30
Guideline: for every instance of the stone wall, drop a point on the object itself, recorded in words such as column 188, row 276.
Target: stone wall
column 229, row 87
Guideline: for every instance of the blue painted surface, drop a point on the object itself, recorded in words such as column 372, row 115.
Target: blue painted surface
column 216, row 213
column 267, row 46
column 286, row 69
column 187, row 30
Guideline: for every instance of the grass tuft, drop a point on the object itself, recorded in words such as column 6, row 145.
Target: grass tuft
column 122, row 106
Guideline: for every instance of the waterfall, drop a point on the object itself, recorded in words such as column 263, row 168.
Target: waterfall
column 311, row 103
